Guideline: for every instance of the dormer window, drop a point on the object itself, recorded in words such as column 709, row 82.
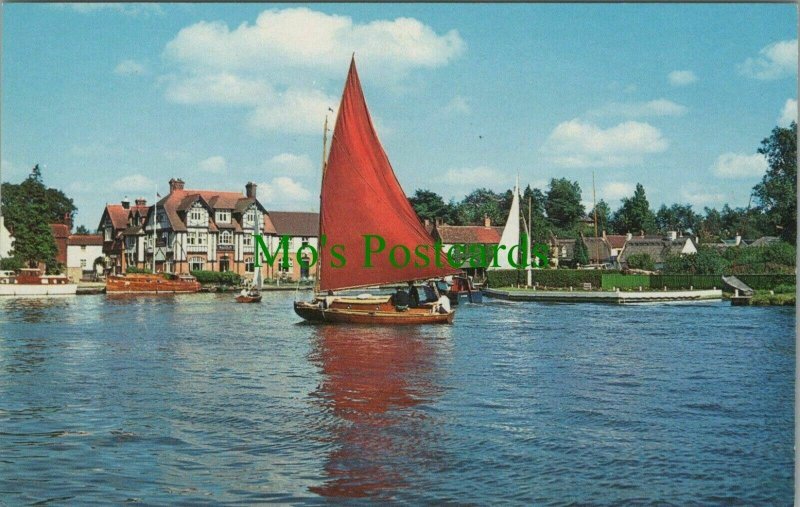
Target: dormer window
column 196, row 215
column 223, row 217
column 250, row 216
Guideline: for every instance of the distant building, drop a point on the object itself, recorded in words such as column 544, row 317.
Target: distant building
column 121, row 229
column 764, row 241
column 449, row 235
column 84, row 256
column 657, row 247
column 61, row 233
column 302, row 228
column 6, row 240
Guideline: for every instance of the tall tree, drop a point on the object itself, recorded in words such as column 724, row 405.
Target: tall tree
column 430, row 206
column 678, row 217
column 563, row 203
column 603, row 215
column 533, row 206
column 581, row 253
column 82, row 230
column 710, row 225
column 482, row 203
column 777, row 192
column 635, row 214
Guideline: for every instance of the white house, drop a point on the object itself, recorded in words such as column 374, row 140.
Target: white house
column 84, row 256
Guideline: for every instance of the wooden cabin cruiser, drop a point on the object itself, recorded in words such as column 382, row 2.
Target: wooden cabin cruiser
column 463, row 290
column 361, row 195
column 32, row 282
column 161, row 283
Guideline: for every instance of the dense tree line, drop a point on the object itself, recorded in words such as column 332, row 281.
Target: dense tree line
column 558, row 208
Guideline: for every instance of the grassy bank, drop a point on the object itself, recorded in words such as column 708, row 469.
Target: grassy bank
column 764, row 298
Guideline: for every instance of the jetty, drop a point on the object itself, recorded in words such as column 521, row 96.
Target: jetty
column 742, row 293
column 609, row 297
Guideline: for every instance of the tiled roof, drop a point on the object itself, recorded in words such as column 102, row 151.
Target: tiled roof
column 118, row 215
column 59, row 230
column 295, row 223
column 85, row 240
column 616, row 240
column 598, row 248
column 468, row 234
column 181, row 200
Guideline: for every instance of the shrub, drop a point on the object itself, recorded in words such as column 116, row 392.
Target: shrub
column 641, row 261
column 784, row 289
column 135, row 270
column 218, row 277
column 10, row 264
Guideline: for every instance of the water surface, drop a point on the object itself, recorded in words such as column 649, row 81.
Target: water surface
column 196, row 399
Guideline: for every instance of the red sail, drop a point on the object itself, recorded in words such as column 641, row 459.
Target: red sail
column 360, row 196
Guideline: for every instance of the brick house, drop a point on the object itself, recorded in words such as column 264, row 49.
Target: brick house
column 303, row 229
column 121, row 227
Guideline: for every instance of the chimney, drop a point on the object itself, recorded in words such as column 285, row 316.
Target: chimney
column 738, row 239
column 438, row 221
column 68, row 221
column 487, row 222
column 628, row 236
column 641, row 233
column 250, row 190
column 175, row 185
column 672, row 235
column 141, row 201
column 604, row 234
column 427, row 223
column 125, row 202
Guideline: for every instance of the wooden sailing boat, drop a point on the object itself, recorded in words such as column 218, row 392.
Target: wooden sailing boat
column 361, row 195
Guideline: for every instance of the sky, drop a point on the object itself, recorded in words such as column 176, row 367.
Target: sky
column 113, row 100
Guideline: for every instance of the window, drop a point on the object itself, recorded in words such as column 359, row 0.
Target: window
column 83, row 248
column 196, row 238
column 83, row 263
column 223, row 217
column 226, row 238
column 196, row 263
column 250, row 216
column 224, row 263
column 108, row 234
column 248, row 265
column 280, row 265
column 247, row 240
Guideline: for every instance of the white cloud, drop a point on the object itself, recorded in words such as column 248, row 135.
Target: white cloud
column 775, row 61
column 214, row 165
column 266, row 65
column 295, row 111
column 7, row 169
column 138, row 9
column 290, row 162
column 789, row 113
column 700, row 196
column 576, row 143
column 130, row 67
column 283, row 190
column 681, row 77
column 481, row 176
column 613, row 191
column 134, row 182
column 737, row 165
column 458, row 104
column 223, row 88
column 658, row 107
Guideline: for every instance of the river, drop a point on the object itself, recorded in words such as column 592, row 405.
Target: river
column 195, row 399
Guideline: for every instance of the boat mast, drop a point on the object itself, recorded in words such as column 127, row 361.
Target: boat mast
column 594, row 203
column 155, row 225
column 319, row 233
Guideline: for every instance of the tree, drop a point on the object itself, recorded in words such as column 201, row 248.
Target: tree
column 707, row 261
column 581, row 253
column 430, row 206
column 678, row 217
column 82, row 230
column 641, row 261
column 635, row 214
column 777, row 193
column 479, row 204
column 29, row 208
column 563, row 203
column 710, row 225
column 533, row 206
column 603, row 215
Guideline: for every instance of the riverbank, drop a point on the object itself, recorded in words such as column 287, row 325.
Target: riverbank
column 608, row 297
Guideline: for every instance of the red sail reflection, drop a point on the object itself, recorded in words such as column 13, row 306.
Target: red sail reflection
column 373, row 380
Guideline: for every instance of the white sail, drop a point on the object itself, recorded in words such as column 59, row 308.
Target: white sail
column 510, row 235
column 257, row 281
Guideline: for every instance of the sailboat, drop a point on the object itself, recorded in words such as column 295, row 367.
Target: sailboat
column 361, row 195
column 253, row 293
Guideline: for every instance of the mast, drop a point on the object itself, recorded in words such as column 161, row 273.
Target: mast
column 319, row 238
column 594, row 204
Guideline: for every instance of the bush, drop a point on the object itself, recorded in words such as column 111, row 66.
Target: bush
column 218, row 277
column 641, row 261
column 775, row 258
column 505, row 277
column 135, row 270
column 707, row 261
column 10, row 264
column 784, row 289
column 767, row 282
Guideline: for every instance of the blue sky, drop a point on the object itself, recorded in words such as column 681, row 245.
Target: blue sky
column 114, row 99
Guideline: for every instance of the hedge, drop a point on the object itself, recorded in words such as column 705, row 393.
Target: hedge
column 545, row 277
column 222, row 278
column 621, row 281
column 766, row 282
column 686, row 281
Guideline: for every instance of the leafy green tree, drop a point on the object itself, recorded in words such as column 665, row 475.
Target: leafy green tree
column 635, row 214
column 707, row 261
column 29, row 207
column 603, row 215
column 482, row 202
column 777, row 192
column 641, row 261
column 82, row 230
column 563, row 203
column 581, row 253
column 533, row 206
column 710, row 225
column 430, row 206
column 678, row 217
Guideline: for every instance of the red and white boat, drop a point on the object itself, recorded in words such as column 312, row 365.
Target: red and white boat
column 32, row 282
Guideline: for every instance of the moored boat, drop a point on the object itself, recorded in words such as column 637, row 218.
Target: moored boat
column 361, row 195
column 32, row 282
column 161, row 283
column 463, row 290
column 248, row 298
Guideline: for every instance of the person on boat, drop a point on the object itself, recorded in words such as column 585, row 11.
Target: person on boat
column 401, row 300
column 444, row 304
column 413, row 295
column 430, row 293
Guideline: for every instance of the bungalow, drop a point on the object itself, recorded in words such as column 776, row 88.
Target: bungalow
column 657, row 247
column 302, row 228
column 84, row 256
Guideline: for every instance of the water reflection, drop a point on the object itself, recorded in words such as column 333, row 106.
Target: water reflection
column 376, row 385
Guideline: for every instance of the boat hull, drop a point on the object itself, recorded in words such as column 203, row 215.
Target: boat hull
column 30, row 290
column 150, row 284
column 248, row 299
column 379, row 311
